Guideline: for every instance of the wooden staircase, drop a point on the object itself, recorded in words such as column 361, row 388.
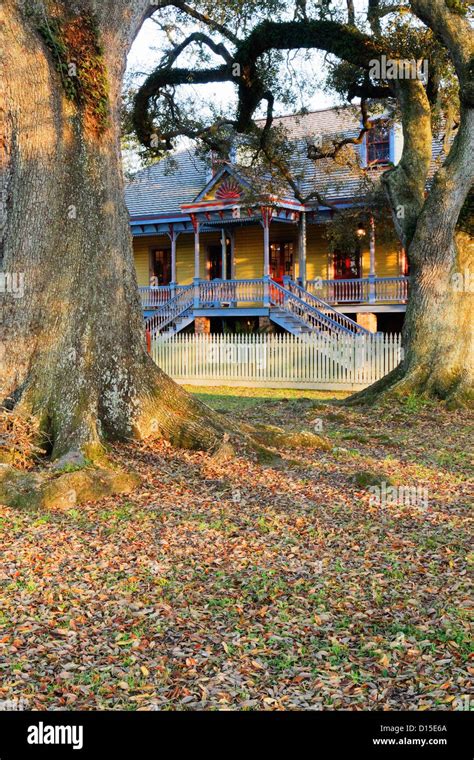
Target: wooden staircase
column 300, row 312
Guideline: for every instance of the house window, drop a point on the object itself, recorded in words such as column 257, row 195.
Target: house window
column 161, row 266
column 378, row 145
column 347, row 265
column 281, row 260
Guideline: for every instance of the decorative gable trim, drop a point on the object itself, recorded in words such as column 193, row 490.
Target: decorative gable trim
column 234, row 178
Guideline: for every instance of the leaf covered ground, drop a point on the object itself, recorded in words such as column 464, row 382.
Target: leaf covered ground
column 238, row 585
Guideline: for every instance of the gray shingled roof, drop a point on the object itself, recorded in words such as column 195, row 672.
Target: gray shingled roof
column 326, row 121
column 163, row 187
column 333, row 182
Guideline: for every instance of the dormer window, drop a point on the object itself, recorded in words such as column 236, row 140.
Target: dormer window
column 378, row 145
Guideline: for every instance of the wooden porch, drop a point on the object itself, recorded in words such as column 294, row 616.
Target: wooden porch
column 225, row 294
column 169, row 309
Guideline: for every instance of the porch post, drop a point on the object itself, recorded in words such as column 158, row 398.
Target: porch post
column 231, row 235
column 224, row 254
column 232, row 254
column 266, row 244
column 266, row 220
column 372, row 261
column 302, row 240
column 197, row 271
column 173, row 236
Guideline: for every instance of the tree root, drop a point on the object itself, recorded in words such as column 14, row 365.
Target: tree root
column 62, row 490
column 426, row 384
column 278, row 438
column 80, row 430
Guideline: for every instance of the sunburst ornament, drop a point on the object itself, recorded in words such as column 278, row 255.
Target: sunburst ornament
column 229, row 190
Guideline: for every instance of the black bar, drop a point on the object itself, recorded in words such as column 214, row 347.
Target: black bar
column 443, row 734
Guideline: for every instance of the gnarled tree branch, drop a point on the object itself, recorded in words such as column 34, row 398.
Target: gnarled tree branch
column 217, row 48
column 205, row 19
column 155, row 85
column 455, row 31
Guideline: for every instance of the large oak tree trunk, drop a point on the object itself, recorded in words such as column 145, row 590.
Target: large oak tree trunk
column 438, row 334
column 73, row 349
column 439, row 340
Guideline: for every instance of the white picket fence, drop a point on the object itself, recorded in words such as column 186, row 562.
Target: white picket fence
column 286, row 361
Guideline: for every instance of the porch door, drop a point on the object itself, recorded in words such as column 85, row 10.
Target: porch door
column 214, row 262
column 347, row 265
column 161, row 266
column 281, row 261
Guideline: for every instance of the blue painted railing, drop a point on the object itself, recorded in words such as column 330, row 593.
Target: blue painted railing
column 362, row 290
column 324, row 307
column 171, row 302
column 172, row 309
column 315, row 319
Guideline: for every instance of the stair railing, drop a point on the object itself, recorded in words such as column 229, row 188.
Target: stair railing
column 171, row 310
column 316, row 320
column 317, row 303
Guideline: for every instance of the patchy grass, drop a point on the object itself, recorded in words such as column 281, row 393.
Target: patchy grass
column 234, row 585
column 225, row 399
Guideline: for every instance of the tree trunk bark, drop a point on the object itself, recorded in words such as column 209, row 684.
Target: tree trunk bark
column 439, row 339
column 438, row 336
column 73, row 348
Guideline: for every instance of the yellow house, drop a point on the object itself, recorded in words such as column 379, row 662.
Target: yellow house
column 209, row 250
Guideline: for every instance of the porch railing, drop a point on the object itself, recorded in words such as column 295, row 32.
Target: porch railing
column 231, row 291
column 217, row 292
column 392, row 288
column 363, row 290
column 154, row 297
